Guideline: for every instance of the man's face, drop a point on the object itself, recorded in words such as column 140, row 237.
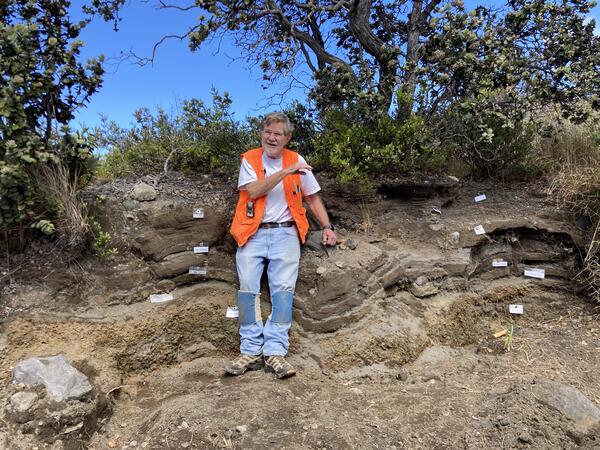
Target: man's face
column 273, row 139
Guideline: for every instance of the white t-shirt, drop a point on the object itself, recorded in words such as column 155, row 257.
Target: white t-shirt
column 276, row 209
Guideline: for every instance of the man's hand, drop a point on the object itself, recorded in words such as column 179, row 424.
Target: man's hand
column 297, row 167
column 329, row 237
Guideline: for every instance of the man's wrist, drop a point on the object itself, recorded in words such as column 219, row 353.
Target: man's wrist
column 329, row 226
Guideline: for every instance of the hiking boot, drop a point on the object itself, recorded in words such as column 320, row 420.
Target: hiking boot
column 243, row 363
column 279, row 366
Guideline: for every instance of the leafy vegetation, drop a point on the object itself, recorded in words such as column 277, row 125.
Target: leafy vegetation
column 42, row 84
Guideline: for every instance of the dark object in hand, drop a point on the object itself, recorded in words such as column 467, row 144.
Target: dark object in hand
column 250, row 209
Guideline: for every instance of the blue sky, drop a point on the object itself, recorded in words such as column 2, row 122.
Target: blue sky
column 177, row 72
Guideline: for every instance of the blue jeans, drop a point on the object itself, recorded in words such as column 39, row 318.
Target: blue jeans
column 279, row 249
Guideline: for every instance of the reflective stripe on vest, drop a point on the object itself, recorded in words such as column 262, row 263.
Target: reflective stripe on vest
column 244, row 227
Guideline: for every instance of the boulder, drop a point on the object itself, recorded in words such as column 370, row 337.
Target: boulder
column 569, row 401
column 143, row 192
column 62, row 381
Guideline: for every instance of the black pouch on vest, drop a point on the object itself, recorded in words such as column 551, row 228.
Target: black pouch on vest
column 250, row 209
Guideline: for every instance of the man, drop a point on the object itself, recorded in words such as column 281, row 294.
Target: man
column 269, row 225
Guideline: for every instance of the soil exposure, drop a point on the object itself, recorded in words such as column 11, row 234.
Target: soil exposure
column 393, row 333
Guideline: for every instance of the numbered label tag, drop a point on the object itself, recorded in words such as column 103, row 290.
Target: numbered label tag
column 515, row 309
column 499, row 263
column 195, row 270
column 535, row 273
column 480, row 198
column 479, row 230
column 201, row 249
column 232, row 312
column 161, row 298
column 198, row 213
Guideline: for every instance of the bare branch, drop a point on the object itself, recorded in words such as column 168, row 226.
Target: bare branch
column 164, row 5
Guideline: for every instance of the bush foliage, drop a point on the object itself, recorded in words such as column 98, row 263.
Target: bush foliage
column 42, row 84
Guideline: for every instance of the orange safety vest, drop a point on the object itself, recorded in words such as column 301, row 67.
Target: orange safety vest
column 244, row 227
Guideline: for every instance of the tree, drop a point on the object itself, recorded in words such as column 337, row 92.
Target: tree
column 427, row 52
column 42, row 83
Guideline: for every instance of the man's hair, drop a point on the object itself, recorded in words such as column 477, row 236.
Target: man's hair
column 275, row 117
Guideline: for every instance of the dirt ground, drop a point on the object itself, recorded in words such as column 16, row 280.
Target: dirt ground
column 393, row 342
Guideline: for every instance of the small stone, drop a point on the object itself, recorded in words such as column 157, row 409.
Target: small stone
column 144, row 444
column 455, row 237
column 133, row 444
column 356, row 391
column 23, row 401
column 312, row 291
column 321, row 270
column 421, row 280
column 340, row 264
column 184, row 424
column 351, row 244
column 111, row 444
column 123, row 424
column 241, row 428
column 185, row 444
column 426, row 290
column 525, row 438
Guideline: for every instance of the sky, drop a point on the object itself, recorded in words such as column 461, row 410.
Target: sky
column 177, row 72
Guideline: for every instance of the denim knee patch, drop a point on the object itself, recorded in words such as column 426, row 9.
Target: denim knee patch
column 248, row 305
column 281, row 311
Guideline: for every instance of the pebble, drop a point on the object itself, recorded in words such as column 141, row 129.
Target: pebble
column 241, row 428
column 321, row 270
column 356, row 391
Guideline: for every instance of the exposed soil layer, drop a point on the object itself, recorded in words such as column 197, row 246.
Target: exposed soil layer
column 393, row 333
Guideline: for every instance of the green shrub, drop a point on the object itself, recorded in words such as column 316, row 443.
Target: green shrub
column 196, row 139
column 491, row 136
column 359, row 151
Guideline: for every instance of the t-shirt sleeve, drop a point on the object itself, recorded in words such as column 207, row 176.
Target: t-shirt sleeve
column 310, row 185
column 247, row 174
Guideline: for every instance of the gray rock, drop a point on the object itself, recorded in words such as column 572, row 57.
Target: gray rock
column 569, row 401
column 420, row 281
column 130, row 205
column 143, row 192
column 321, row 270
column 62, row 381
column 427, row 289
column 241, row 428
column 356, row 391
column 351, row 244
column 23, row 401
column 455, row 237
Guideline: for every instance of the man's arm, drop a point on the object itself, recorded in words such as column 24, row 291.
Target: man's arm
column 259, row 188
column 317, row 207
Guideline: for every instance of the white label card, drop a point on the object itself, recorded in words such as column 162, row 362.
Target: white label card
column 232, row 312
column 161, row 298
column 201, row 249
column 535, row 273
column 198, row 213
column 194, row 270
column 480, row 198
column 515, row 309
column 499, row 263
column 479, row 230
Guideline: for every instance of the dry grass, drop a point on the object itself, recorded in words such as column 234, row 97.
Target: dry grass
column 575, row 184
column 71, row 227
